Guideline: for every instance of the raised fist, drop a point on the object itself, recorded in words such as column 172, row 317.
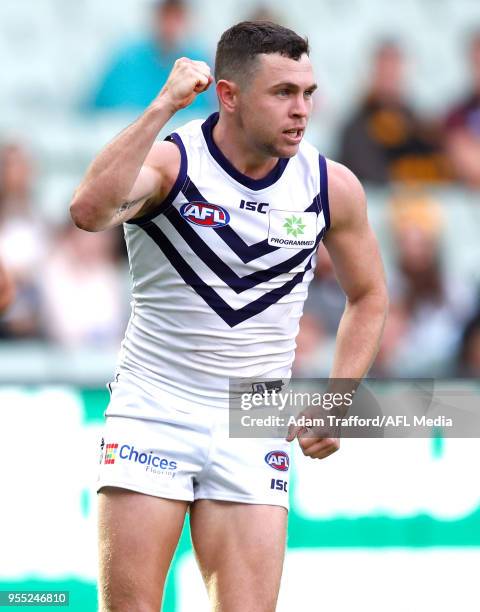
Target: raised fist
column 187, row 79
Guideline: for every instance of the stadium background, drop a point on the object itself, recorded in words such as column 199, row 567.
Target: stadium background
column 389, row 524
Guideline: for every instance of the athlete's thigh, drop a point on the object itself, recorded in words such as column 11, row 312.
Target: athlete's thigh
column 137, row 536
column 240, row 550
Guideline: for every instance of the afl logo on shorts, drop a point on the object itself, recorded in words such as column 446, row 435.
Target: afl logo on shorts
column 278, row 460
column 203, row 213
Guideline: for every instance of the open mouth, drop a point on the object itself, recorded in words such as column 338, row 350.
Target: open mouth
column 294, row 134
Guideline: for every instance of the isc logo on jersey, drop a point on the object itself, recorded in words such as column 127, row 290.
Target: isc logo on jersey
column 278, row 460
column 206, row 214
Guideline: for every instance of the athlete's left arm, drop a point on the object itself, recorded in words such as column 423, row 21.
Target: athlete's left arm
column 354, row 252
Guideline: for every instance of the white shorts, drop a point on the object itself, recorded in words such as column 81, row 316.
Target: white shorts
column 182, row 451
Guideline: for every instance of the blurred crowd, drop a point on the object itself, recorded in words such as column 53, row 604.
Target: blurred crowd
column 65, row 287
column 59, row 284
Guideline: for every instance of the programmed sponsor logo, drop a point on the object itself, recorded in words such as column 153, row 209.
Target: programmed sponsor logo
column 294, row 225
column 154, row 463
column 292, row 230
column 290, row 242
column 205, row 214
column 278, row 460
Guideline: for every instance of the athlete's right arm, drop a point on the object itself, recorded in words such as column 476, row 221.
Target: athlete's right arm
column 132, row 173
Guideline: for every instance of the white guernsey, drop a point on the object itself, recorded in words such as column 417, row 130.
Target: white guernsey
column 221, row 270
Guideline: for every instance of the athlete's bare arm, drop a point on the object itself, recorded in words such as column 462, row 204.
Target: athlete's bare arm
column 356, row 259
column 133, row 172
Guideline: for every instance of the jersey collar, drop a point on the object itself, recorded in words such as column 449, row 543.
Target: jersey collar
column 255, row 184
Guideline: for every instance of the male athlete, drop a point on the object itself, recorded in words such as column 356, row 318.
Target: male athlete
column 222, row 221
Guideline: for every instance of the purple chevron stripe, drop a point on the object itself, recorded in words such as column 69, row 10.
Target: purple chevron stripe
column 244, row 252
column 325, row 204
column 231, row 316
column 221, row 269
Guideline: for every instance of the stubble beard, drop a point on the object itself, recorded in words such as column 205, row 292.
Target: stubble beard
column 262, row 145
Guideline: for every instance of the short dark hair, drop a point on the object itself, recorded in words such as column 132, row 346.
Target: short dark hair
column 170, row 5
column 239, row 46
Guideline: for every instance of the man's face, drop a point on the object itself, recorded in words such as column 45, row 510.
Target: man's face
column 274, row 107
column 170, row 26
column 388, row 73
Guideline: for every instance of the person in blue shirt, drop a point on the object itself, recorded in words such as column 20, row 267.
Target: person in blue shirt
column 139, row 70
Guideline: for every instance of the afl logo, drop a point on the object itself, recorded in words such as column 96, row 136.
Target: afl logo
column 206, row 214
column 278, row 460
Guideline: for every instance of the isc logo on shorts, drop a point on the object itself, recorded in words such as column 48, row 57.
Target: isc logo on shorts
column 206, row 214
column 278, row 485
column 278, row 460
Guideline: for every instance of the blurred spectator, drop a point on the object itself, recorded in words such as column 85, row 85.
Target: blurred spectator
column 262, row 12
column 314, row 350
column 7, row 289
column 139, row 70
column 82, row 290
column 468, row 363
column 394, row 333
column 384, row 140
column 23, row 242
column 429, row 307
column 463, row 126
column 326, row 301
column 318, row 326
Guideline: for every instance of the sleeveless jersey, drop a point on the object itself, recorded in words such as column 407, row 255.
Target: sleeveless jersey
column 221, row 270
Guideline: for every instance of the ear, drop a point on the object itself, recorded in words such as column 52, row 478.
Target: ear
column 227, row 92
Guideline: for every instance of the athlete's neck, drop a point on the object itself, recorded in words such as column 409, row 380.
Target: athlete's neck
column 232, row 144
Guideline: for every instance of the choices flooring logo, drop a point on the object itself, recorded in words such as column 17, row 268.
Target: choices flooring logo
column 110, row 453
column 149, row 459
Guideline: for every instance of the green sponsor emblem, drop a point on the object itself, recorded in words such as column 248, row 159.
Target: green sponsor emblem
column 294, row 225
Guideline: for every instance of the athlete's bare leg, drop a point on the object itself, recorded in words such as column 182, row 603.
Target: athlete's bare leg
column 138, row 535
column 240, row 550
